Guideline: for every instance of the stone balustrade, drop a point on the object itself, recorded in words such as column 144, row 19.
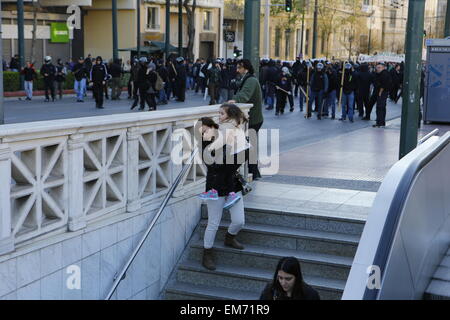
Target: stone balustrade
column 65, row 174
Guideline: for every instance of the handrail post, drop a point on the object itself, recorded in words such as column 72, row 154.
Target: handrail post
column 6, row 237
column 133, row 203
column 77, row 218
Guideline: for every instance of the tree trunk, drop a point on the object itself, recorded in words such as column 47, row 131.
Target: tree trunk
column 190, row 12
column 33, row 32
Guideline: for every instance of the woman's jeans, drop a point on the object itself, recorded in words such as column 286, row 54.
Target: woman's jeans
column 215, row 210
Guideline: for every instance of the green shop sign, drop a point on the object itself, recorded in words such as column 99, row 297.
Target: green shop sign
column 59, row 32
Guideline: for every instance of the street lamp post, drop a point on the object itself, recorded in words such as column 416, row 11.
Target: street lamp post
column 447, row 21
column 114, row 30
column 138, row 29
column 315, row 31
column 411, row 84
column 180, row 28
column 167, row 36
column 251, row 32
column 21, row 37
column 2, row 112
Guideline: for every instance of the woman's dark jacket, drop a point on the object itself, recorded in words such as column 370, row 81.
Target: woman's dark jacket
column 270, row 294
column 213, row 170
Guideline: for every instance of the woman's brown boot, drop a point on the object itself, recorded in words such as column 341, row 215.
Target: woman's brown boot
column 208, row 261
column 231, row 241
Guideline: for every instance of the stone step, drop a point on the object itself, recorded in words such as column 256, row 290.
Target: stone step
column 291, row 238
column 249, row 279
column 313, row 264
column 442, row 273
column 308, row 219
column 188, row 291
column 438, row 290
column 439, row 287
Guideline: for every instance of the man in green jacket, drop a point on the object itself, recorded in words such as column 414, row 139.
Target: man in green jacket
column 250, row 92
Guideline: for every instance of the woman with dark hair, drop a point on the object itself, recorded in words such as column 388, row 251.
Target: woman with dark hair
column 223, row 189
column 288, row 283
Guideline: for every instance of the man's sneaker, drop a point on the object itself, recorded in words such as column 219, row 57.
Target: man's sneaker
column 231, row 200
column 210, row 195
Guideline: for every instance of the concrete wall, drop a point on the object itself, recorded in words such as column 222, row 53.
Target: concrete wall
column 39, row 270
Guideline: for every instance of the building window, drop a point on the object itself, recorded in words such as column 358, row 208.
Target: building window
column 153, row 18
column 277, row 41
column 287, row 48
column 393, row 18
column 207, row 20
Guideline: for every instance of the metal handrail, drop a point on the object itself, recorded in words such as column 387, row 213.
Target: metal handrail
column 118, row 278
column 428, row 136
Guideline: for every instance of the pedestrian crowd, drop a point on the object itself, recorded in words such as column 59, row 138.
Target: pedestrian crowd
column 324, row 86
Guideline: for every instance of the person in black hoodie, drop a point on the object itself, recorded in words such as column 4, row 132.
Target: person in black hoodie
column 397, row 82
column 382, row 84
column 364, row 80
column 48, row 71
column 61, row 73
column 333, row 87
column 80, row 73
column 318, row 85
column 226, row 75
column 271, row 80
column 162, row 71
column 288, row 283
column 302, row 77
column 29, row 75
column 348, row 93
column 284, row 89
column 116, row 74
column 180, row 80
column 99, row 76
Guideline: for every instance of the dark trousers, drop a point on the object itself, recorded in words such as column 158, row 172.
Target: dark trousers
column 214, row 93
column 59, row 88
column 381, row 109
column 181, row 90
column 372, row 102
column 98, row 89
column 362, row 101
column 201, row 84
column 148, row 98
column 281, row 101
column 49, row 85
column 316, row 97
column 253, row 167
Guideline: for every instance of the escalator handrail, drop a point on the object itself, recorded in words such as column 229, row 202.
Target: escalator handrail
column 395, row 210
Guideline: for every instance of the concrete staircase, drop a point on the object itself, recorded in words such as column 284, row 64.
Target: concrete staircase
column 439, row 288
column 323, row 241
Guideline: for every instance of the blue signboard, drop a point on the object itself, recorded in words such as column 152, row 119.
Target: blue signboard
column 437, row 81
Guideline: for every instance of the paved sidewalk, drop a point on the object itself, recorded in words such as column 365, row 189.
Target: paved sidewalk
column 357, row 160
column 351, row 204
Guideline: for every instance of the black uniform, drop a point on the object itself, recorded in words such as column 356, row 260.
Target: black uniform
column 48, row 71
column 99, row 75
column 60, row 78
column 364, row 80
column 180, row 82
column 382, row 85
